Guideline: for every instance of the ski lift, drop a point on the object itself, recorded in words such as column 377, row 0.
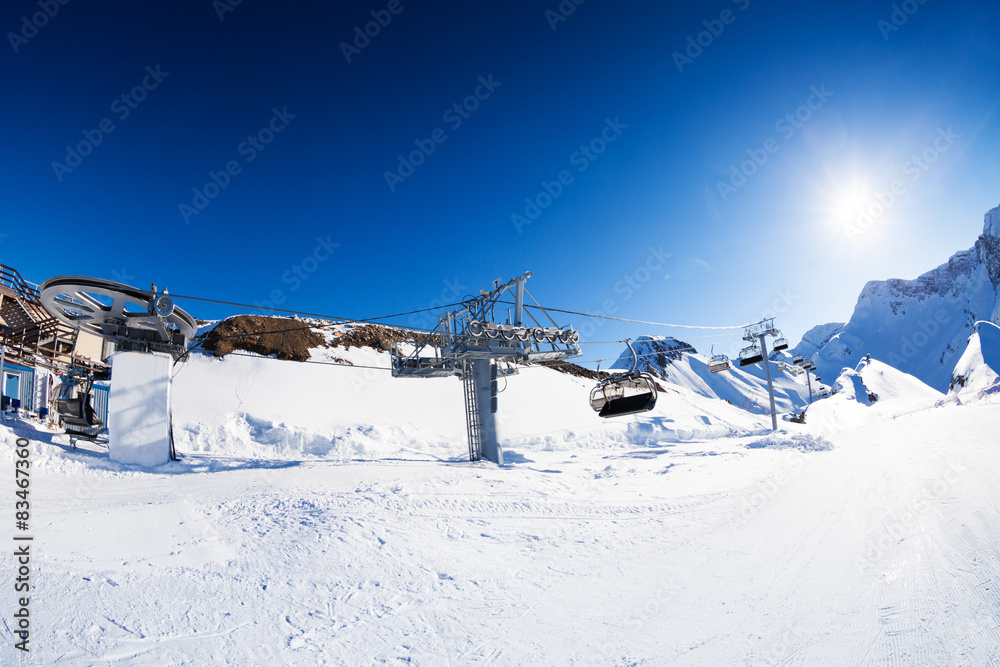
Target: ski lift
column 797, row 359
column 718, row 362
column 781, row 343
column 751, row 355
column 624, row 393
column 73, row 410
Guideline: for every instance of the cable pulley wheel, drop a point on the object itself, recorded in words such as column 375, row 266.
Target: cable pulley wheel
column 88, row 303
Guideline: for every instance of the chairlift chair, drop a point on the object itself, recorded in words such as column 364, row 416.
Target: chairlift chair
column 781, row 343
column 718, row 362
column 751, row 355
column 797, row 359
column 625, row 393
column 74, row 411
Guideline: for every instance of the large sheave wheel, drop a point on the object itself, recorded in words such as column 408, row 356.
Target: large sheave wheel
column 88, row 303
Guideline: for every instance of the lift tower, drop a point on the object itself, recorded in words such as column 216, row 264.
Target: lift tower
column 473, row 343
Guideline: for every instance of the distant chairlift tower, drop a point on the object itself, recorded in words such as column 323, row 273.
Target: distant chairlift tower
column 472, row 342
column 755, row 353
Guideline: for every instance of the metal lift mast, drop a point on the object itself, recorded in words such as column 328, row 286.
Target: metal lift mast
column 759, row 332
column 471, row 343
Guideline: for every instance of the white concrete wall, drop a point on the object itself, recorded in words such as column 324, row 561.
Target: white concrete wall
column 139, row 408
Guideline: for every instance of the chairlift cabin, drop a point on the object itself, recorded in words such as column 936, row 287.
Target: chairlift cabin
column 72, row 407
column 718, row 362
column 781, row 344
column 625, row 393
column 751, row 355
column 797, row 359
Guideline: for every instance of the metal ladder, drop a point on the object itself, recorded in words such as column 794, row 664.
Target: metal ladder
column 472, row 412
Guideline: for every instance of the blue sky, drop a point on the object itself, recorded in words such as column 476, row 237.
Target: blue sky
column 699, row 163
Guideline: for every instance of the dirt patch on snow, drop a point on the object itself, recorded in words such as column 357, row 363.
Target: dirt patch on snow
column 281, row 336
column 375, row 337
column 288, row 338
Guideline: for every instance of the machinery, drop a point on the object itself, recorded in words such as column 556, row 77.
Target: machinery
column 150, row 333
column 72, row 408
column 625, row 393
column 480, row 342
column 718, row 362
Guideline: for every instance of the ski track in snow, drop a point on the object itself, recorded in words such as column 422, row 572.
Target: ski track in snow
column 855, row 539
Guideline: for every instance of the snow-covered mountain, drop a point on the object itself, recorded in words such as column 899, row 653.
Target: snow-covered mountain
column 979, row 367
column 922, row 326
column 678, row 363
column 817, row 337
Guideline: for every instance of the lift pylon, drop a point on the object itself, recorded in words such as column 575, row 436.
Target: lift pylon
column 480, row 342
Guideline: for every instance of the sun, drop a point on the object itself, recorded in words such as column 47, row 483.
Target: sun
column 847, row 201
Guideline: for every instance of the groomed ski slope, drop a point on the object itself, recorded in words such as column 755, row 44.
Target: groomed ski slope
column 323, row 520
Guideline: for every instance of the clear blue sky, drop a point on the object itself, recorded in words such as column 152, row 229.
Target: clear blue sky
column 673, row 127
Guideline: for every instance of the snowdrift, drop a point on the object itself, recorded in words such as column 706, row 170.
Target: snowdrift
column 343, row 404
column 872, row 392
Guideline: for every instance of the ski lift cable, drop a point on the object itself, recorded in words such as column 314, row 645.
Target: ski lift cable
column 332, row 318
column 625, row 319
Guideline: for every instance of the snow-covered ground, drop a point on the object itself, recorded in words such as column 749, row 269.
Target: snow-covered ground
column 327, row 515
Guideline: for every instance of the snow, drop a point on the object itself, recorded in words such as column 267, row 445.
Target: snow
column 325, row 514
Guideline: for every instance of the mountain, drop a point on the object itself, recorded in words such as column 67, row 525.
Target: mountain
column 814, row 339
column 979, row 367
column 922, row 326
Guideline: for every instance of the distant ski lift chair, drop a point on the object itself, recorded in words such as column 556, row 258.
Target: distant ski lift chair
column 625, row 393
column 797, row 359
column 780, row 344
column 718, row 362
column 750, row 355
